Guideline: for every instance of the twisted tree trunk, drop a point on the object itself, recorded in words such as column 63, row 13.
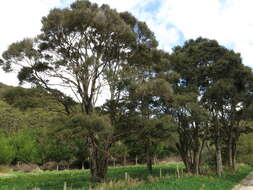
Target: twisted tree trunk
column 98, row 161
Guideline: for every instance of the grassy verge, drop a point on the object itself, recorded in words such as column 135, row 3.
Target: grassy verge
column 75, row 178
column 227, row 182
column 139, row 179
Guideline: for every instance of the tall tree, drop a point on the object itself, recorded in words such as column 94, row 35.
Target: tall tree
column 211, row 71
column 80, row 49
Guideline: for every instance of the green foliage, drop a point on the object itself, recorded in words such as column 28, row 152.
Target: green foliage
column 84, row 125
column 119, row 150
column 156, row 87
column 55, row 146
column 246, row 149
column 24, row 98
column 7, row 151
column 10, row 119
column 25, row 146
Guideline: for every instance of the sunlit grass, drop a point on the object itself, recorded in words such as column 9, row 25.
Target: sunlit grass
column 163, row 177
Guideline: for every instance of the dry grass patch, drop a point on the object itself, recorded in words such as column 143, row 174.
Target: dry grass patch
column 120, row 184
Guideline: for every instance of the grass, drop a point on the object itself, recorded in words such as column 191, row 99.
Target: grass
column 226, row 182
column 139, row 179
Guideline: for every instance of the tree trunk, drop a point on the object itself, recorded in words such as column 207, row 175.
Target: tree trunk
column 155, row 160
column 82, row 165
column 98, row 162
column 200, row 154
column 196, row 162
column 234, row 150
column 229, row 157
column 114, row 162
column 184, row 155
column 219, row 168
column 230, row 152
column 125, row 161
column 149, row 157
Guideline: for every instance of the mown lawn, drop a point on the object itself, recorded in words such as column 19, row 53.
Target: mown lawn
column 81, row 179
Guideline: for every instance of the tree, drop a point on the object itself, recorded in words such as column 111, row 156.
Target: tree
column 149, row 88
column 211, row 71
column 192, row 125
column 74, row 51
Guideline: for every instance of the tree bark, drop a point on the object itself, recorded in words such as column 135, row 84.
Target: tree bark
column 230, row 152
column 125, row 161
column 219, row 167
column 196, row 162
column 149, row 157
column 184, row 155
column 98, row 162
column 234, row 153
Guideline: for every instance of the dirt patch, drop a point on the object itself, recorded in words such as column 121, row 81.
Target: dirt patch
column 246, row 184
column 5, row 175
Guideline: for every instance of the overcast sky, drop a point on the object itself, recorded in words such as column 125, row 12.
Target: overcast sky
column 173, row 21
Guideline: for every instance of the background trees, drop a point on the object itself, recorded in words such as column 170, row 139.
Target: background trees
column 221, row 83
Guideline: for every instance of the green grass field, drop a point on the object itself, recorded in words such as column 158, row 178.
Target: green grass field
column 81, row 179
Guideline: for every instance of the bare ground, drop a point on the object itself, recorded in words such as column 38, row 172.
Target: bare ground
column 246, row 184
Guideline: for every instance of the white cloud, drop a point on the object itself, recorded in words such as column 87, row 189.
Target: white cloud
column 119, row 5
column 229, row 22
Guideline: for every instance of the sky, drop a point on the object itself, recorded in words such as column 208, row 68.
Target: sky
column 173, row 22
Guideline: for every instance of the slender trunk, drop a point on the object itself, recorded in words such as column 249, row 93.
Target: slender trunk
column 155, row 160
column 196, row 150
column 234, row 151
column 200, row 154
column 196, row 162
column 230, row 152
column 149, row 157
column 82, row 165
column 219, row 168
column 136, row 160
column 125, row 161
column 114, row 162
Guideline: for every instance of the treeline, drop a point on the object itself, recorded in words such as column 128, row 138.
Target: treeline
column 199, row 97
column 31, row 133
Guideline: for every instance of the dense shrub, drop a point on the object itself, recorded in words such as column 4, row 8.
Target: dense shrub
column 7, row 153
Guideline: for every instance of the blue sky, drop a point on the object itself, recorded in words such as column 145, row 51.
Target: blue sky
column 230, row 22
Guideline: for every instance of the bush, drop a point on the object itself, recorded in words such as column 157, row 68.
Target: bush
column 25, row 145
column 7, row 152
column 246, row 149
